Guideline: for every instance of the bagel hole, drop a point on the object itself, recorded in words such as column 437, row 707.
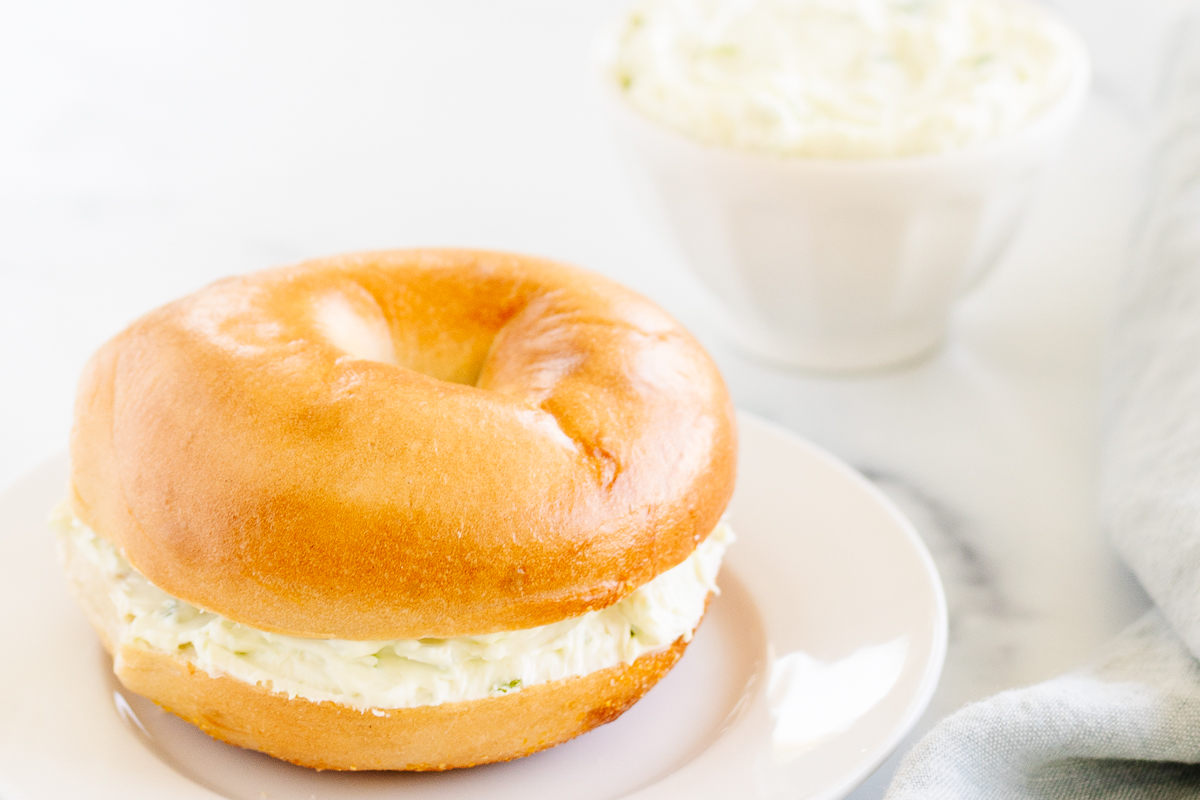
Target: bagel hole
column 447, row 358
column 357, row 329
column 425, row 329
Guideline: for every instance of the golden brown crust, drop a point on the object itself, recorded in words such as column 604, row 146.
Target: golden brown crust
column 331, row 736
column 249, row 466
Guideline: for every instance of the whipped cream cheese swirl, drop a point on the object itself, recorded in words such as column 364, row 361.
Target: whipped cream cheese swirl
column 402, row 673
column 844, row 78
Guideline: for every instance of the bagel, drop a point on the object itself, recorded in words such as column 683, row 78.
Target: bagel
column 446, row 507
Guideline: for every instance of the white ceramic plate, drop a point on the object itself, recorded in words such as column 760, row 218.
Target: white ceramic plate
column 820, row 654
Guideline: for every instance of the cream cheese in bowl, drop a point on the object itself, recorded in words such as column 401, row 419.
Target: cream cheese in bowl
column 843, row 78
column 838, row 172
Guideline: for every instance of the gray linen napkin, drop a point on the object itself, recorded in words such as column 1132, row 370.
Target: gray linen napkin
column 1127, row 726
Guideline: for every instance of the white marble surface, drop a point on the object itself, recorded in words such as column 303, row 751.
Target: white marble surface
column 148, row 148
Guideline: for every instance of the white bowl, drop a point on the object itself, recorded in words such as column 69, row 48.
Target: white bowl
column 839, row 264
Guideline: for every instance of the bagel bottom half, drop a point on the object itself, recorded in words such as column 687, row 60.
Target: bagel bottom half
column 328, row 735
column 331, row 736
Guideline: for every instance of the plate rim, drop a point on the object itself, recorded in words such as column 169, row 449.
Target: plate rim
column 931, row 676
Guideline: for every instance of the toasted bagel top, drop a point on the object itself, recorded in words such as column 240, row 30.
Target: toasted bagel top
column 404, row 444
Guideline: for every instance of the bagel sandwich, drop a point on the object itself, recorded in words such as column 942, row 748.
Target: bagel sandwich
column 406, row 510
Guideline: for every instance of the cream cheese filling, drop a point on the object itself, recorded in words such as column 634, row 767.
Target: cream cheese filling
column 843, row 78
column 403, row 673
